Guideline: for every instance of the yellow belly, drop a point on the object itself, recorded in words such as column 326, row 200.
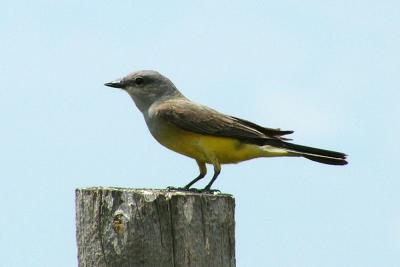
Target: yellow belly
column 210, row 149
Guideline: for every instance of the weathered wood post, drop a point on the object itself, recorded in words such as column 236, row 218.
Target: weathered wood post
column 140, row 227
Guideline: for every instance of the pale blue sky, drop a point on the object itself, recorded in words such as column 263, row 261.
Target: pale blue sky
column 327, row 69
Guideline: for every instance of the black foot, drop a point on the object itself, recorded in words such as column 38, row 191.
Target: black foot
column 194, row 190
column 173, row 188
column 210, row 191
column 184, row 189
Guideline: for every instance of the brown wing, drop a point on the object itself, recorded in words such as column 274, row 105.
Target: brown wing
column 278, row 133
column 203, row 120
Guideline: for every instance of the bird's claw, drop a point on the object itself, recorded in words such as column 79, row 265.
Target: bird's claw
column 184, row 189
column 173, row 188
column 194, row 190
column 210, row 191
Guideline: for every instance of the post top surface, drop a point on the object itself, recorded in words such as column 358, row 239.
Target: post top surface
column 148, row 191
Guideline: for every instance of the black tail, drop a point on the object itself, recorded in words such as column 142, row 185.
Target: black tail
column 314, row 154
column 325, row 160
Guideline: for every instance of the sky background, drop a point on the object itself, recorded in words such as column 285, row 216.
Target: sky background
column 327, row 69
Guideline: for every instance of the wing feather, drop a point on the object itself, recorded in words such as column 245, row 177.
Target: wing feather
column 203, row 120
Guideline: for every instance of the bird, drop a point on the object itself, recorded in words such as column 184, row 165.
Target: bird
column 206, row 135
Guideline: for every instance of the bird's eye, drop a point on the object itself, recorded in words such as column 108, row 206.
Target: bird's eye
column 139, row 81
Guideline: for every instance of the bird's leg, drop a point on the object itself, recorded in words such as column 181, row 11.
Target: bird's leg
column 217, row 171
column 203, row 172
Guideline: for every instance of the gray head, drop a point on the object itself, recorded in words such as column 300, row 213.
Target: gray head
column 146, row 87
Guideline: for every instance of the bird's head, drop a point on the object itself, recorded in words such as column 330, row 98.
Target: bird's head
column 146, row 87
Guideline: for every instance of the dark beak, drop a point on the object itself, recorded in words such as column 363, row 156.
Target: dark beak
column 116, row 84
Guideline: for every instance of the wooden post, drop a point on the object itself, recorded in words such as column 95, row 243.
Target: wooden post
column 139, row 227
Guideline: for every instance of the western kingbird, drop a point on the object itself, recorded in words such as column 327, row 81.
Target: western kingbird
column 205, row 134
